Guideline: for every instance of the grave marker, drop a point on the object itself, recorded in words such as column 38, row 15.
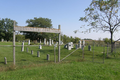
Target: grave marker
column 83, row 42
column 79, row 44
column 22, row 46
column 28, row 42
column 52, row 42
column 2, row 40
column 5, row 60
column 89, row 48
column 38, row 54
column 49, row 42
column 44, row 41
column 32, row 52
column 69, row 46
column 40, row 41
column 82, row 47
column 40, row 46
column 48, row 57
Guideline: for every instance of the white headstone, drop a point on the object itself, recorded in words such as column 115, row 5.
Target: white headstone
column 69, row 46
column 40, row 46
column 2, row 40
column 56, row 44
column 38, row 54
column 83, row 42
column 40, row 41
column 28, row 42
column 52, row 42
column 61, row 43
column 49, row 42
column 72, row 45
column 79, row 44
column 44, row 41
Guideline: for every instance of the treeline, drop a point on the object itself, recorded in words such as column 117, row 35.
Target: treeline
column 6, row 31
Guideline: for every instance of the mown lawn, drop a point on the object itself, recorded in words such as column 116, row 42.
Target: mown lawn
column 31, row 67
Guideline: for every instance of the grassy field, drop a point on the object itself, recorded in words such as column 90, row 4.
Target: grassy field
column 74, row 67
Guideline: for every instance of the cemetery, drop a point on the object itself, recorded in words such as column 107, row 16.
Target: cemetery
column 47, row 52
column 54, row 45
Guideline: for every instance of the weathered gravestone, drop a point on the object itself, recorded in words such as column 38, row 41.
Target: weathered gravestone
column 40, row 41
column 82, row 47
column 65, row 46
column 38, row 54
column 44, row 41
column 5, row 59
column 49, row 42
column 48, row 57
column 79, row 44
column 83, row 42
column 69, row 46
column 2, row 40
column 89, row 48
column 22, row 46
column 40, row 46
column 32, row 52
column 52, row 42
column 28, row 42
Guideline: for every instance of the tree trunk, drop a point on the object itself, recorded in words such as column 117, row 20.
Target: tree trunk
column 112, row 43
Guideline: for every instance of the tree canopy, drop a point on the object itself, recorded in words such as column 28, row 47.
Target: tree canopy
column 6, row 29
column 38, row 22
column 102, row 15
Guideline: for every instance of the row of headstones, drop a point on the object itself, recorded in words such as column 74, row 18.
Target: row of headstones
column 80, row 44
column 46, row 43
column 70, row 45
column 2, row 40
column 22, row 49
column 38, row 54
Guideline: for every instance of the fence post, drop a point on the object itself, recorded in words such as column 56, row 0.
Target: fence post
column 107, row 50
column 59, row 37
column 93, row 52
column 27, row 49
column 115, row 49
column 83, row 51
column 103, row 53
column 54, row 54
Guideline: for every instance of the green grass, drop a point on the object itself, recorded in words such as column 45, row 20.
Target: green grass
column 31, row 67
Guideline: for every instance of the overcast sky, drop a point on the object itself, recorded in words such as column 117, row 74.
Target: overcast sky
column 62, row 12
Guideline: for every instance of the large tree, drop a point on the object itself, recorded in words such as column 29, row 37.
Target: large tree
column 6, row 29
column 38, row 22
column 103, row 15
